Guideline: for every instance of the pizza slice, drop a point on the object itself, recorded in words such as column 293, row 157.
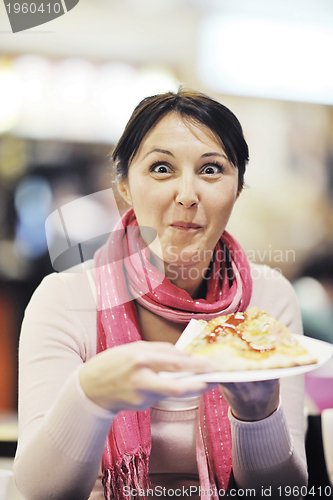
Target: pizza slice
column 250, row 340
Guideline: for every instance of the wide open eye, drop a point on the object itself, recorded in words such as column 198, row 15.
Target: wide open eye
column 160, row 168
column 212, row 169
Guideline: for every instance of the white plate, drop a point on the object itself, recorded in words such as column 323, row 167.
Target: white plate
column 321, row 350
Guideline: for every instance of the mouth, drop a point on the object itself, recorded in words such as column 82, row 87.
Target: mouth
column 185, row 226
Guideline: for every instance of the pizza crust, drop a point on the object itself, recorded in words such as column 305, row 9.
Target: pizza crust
column 249, row 341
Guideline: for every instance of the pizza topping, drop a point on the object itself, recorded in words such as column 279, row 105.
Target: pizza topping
column 211, row 337
column 249, row 340
column 233, row 325
column 235, row 319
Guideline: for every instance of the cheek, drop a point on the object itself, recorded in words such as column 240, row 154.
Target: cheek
column 221, row 202
column 148, row 203
column 150, row 197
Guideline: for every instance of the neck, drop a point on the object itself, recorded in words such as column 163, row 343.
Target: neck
column 190, row 278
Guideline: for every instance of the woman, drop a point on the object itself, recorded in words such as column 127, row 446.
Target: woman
column 180, row 166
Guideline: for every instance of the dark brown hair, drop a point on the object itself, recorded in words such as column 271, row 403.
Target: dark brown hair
column 189, row 104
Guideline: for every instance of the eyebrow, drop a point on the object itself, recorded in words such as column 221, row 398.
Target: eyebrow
column 158, row 150
column 165, row 151
column 207, row 155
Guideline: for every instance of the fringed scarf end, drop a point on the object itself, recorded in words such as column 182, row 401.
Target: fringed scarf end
column 127, row 480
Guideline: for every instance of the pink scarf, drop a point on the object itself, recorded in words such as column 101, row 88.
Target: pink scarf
column 123, row 271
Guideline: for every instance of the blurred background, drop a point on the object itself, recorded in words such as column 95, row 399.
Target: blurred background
column 68, row 87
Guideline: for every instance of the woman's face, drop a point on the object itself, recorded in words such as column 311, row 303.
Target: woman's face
column 182, row 184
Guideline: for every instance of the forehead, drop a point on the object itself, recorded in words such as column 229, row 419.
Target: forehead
column 176, row 128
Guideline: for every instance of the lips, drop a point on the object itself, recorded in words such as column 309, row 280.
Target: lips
column 185, row 225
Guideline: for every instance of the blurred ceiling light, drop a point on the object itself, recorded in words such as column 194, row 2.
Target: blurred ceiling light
column 74, row 99
column 112, row 98
column 31, row 66
column 10, row 96
column 120, row 87
column 35, row 75
column 34, row 90
column 154, row 80
column 266, row 58
column 75, row 93
column 72, row 111
column 74, row 79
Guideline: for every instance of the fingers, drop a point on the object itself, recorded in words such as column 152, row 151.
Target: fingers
column 156, row 389
column 252, row 400
column 251, row 388
column 176, row 363
column 146, row 388
column 165, row 387
column 127, row 377
column 162, row 356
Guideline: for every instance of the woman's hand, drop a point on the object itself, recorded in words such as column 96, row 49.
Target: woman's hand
column 125, row 377
column 252, row 401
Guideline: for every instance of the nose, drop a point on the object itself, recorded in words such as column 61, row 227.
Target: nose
column 187, row 195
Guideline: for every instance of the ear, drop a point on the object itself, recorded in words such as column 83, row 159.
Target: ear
column 124, row 191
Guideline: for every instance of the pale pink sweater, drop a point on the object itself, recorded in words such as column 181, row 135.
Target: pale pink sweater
column 62, row 433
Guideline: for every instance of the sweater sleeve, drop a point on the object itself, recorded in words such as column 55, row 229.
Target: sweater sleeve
column 61, row 432
column 271, row 452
